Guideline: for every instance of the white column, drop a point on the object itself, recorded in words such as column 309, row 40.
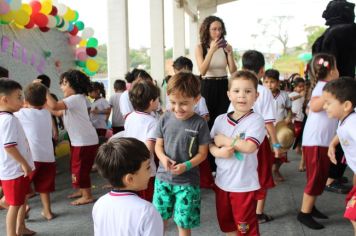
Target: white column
column 118, row 41
column 205, row 12
column 178, row 30
column 157, row 40
column 193, row 42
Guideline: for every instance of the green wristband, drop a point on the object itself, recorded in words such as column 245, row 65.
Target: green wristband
column 188, row 165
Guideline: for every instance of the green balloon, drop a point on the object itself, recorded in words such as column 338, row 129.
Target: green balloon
column 76, row 16
column 80, row 63
column 80, row 25
column 92, row 43
column 88, row 72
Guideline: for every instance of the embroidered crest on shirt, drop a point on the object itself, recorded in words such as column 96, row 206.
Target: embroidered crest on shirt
column 344, row 142
column 351, row 202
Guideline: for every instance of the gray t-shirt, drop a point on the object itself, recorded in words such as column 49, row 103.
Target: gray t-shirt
column 181, row 143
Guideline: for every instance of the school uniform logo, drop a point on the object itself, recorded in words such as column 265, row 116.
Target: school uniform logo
column 344, row 142
column 351, row 203
column 243, row 227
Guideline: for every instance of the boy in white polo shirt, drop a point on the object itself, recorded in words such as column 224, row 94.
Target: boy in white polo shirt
column 16, row 163
column 37, row 124
column 340, row 103
column 237, row 136
column 140, row 124
column 118, row 120
column 125, row 163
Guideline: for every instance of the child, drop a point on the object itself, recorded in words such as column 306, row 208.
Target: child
column 181, row 145
column 237, row 136
column 100, row 108
column 114, row 101
column 125, row 163
column 340, row 103
column 318, row 133
column 37, row 124
column 140, row 124
column 16, row 163
column 82, row 134
column 282, row 106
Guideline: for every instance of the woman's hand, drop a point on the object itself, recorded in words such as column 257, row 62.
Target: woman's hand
column 214, row 44
column 228, row 49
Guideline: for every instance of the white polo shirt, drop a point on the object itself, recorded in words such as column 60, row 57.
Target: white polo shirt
column 233, row 175
column 77, row 123
column 142, row 126
column 37, row 125
column 117, row 118
column 281, row 103
column 125, row 104
column 124, row 213
column 12, row 135
column 200, row 108
column 347, row 136
column 99, row 120
column 297, row 106
column 319, row 129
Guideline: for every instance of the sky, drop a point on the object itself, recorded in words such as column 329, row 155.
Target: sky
column 240, row 19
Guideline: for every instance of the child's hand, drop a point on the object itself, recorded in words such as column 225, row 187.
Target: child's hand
column 277, row 152
column 331, row 154
column 26, row 169
column 221, row 140
column 302, row 93
column 36, row 81
column 226, row 152
column 288, row 120
column 178, row 169
column 168, row 163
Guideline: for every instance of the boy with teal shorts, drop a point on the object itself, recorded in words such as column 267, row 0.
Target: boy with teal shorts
column 181, row 145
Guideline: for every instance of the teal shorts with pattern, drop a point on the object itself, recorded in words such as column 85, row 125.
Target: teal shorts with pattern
column 183, row 201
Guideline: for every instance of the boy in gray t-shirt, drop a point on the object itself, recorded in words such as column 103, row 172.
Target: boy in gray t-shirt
column 181, row 145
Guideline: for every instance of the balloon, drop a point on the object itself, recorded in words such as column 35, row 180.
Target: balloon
column 70, row 15
column 83, row 43
column 15, row 5
column 52, row 21
column 76, row 16
column 64, row 27
column 46, row 7
column 27, row 8
column 92, row 43
column 4, row 8
column 92, row 65
column 44, row 29
column 60, row 22
column 62, row 149
column 30, row 24
column 91, row 52
column 40, row 19
column 88, row 72
column 36, row 6
column 70, row 27
column 80, row 63
column 62, row 9
column 21, row 17
column 54, row 11
column 73, row 40
column 305, row 56
column 7, row 18
column 80, row 25
column 74, row 31
column 82, row 56
column 87, row 33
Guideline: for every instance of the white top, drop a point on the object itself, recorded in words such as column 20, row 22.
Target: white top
column 319, row 130
column 12, row 135
column 200, row 108
column 142, row 126
column 117, row 118
column 233, row 175
column 125, row 104
column 297, row 106
column 37, row 125
column 76, row 121
column 281, row 103
column 99, row 120
column 347, row 136
column 218, row 64
column 125, row 213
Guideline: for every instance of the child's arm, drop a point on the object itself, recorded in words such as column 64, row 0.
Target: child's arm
column 55, row 105
column 223, row 152
column 54, row 130
column 316, row 104
column 331, row 150
column 159, row 149
column 14, row 153
column 289, row 116
column 272, row 135
column 195, row 161
column 151, row 146
column 244, row 146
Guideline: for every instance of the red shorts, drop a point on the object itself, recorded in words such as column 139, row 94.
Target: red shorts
column 43, row 177
column 317, row 167
column 206, row 178
column 15, row 190
column 350, row 212
column 298, row 126
column 117, row 129
column 237, row 212
column 265, row 161
column 101, row 132
column 261, row 193
column 82, row 160
column 147, row 194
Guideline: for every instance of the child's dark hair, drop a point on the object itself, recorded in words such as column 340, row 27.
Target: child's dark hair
column 253, row 60
column 183, row 63
column 77, row 80
column 4, row 73
column 137, row 73
column 119, row 157
column 246, row 75
column 7, row 86
column 320, row 67
column 272, row 73
column 94, row 86
column 296, row 81
column 35, row 94
column 185, row 83
column 45, row 80
column 204, row 31
column 142, row 93
column 119, row 85
column 343, row 89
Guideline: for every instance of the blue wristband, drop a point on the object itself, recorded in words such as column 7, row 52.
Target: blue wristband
column 276, row 145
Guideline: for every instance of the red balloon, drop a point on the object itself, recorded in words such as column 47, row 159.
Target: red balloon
column 30, row 24
column 40, row 19
column 74, row 31
column 44, row 29
column 91, row 52
column 36, row 6
column 54, row 11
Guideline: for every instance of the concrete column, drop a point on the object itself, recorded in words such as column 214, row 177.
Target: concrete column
column 178, row 30
column 193, row 42
column 157, row 40
column 118, row 41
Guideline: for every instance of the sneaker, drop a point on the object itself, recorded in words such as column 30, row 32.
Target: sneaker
column 317, row 214
column 263, row 218
column 337, row 187
column 307, row 220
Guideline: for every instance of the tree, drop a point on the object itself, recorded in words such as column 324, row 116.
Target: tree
column 282, row 35
column 313, row 32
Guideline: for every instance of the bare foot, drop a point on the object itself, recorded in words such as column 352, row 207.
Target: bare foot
column 75, row 195
column 26, row 231
column 27, row 212
column 301, row 167
column 3, row 204
column 278, row 176
column 48, row 216
column 82, row 201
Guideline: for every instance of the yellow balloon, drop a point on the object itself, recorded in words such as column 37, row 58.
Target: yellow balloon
column 21, row 17
column 8, row 17
column 62, row 149
column 46, row 7
column 92, row 65
column 19, row 26
column 83, row 43
column 27, row 8
column 69, row 15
